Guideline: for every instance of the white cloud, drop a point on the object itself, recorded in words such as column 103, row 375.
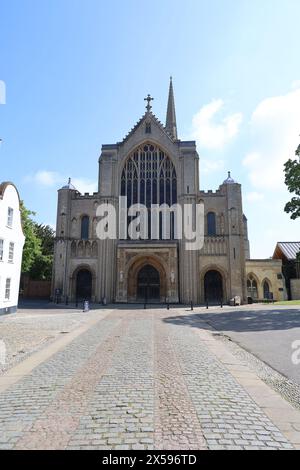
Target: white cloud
column 52, row 179
column 254, row 196
column 296, row 84
column 275, row 127
column 47, row 178
column 212, row 133
column 210, row 166
column 84, row 185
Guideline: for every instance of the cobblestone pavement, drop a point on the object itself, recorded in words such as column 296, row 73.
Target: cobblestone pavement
column 30, row 330
column 136, row 379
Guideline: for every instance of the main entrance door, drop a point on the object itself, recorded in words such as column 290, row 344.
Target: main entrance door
column 148, row 284
column 84, row 285
column 213, row 286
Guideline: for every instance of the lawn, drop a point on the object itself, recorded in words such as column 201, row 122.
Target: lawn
column 288, row 302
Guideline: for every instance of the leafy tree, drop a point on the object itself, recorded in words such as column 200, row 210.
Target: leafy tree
column 292, row 180
column 42, row 266
column 39, row 246
column 32, row 247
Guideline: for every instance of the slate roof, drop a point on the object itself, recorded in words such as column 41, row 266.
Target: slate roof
column 288, row 249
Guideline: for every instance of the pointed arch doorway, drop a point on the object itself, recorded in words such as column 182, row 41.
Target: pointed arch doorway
column 148, row 284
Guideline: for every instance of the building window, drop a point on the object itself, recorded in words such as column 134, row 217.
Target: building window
column 266, row 288
column 1, row 250
column 7, row 289
column 148, row 128
column 252, row 288
column 10, row 216
column 11, row 252
column 149, row 177
column 85, row 223
column 211, row 224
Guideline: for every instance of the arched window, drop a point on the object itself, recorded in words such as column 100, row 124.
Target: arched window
column 211, row 224
column 266, row 288
column 252, row 287
column 85, row 222
column 149, row 177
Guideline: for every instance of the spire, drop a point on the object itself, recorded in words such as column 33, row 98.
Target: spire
column 171, row 125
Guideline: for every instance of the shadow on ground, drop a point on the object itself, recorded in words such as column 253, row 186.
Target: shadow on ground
column 242, row 321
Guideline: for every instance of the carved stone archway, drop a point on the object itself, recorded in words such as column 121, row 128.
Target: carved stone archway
column 133, row 273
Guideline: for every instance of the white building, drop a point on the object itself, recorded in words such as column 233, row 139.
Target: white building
column 11, row 247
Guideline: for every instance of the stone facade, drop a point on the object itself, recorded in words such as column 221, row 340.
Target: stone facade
column 110, row 269
column 267, row 271
column 295, row 289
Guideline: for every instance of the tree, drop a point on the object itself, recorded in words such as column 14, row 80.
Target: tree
column 39, row 247
column 292, row 180
column 42, row 265
column 32, row 247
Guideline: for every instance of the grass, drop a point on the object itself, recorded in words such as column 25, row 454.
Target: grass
column 288, row 302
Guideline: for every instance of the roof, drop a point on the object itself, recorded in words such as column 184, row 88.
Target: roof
column 69, row 186
column 3, row 187
column 229, row 180
column 148, row 114
column 288, row 250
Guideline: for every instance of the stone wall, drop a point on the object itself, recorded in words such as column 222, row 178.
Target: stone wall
column 295, row 289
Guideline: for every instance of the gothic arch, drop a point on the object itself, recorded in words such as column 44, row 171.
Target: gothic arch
column 167, row 149
column 266, row 288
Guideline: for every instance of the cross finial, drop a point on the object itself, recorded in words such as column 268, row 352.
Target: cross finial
column 148, row 99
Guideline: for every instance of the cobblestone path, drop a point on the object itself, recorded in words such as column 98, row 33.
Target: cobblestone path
column 134, row 380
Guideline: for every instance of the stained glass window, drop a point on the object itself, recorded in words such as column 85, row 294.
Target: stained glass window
column 149, row 177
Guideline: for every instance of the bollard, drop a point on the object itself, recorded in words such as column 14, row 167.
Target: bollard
column 221, row 303
column 168, row 306
column 206, row 303
column 76, row 302
column 145, row 306
column 67, row 300
column 192, row 306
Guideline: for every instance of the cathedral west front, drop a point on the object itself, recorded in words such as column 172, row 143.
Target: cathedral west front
column 152, row 166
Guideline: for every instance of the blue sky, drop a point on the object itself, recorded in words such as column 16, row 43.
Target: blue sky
column 76, row 73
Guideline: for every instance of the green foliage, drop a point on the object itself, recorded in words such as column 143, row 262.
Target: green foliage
column 32, row 247
column 39, row 247
column 292, row 180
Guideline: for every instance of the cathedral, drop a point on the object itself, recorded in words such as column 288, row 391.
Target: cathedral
column 152, row 166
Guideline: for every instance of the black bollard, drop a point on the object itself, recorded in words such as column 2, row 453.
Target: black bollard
column 206, row 303
column 168, row 306
column 221, row 303
column 145, row 306
column 76, row 302
column 67, row 300
column 192, row 306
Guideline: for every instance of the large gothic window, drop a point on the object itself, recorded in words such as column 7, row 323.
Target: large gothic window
column 149, row 177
